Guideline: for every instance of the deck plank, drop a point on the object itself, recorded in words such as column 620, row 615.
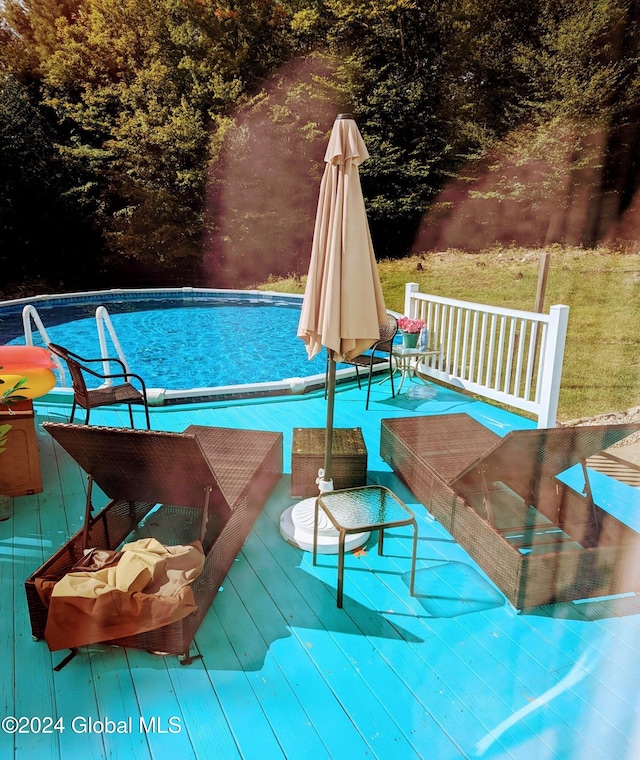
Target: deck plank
column 320, row 670
column 75, row 700
column 8, row 603
column 353, row 632
column 32, row 663
column 233, row 688
column 257, row 653
column 526, row 663
column 116, row 700
column 541, row 673
column 203, row 715
column 453, row 673
column 158, row 705
column 193, row 687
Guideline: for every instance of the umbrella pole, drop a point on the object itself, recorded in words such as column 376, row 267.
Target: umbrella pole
column 328, row 441
column 297, row 521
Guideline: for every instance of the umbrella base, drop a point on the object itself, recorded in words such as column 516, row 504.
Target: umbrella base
column 296, row 527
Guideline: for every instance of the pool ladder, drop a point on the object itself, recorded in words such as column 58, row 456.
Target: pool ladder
column 103, row 322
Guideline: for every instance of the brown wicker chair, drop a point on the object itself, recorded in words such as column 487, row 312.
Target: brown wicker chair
column 379, row 353
column 88, row 398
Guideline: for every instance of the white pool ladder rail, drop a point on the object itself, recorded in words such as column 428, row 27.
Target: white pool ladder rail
column 31, row 313
column 103, row 320
column 104, row 325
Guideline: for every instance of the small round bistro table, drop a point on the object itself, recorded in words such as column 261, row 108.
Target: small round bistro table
column 408, row 359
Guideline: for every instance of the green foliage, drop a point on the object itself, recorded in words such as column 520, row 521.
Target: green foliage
column 43, row 229
column 585, row 62
column 264, row 185
column 10, row 395
column 151, row 123
column 431, row 84
column 140, row 88
column 584, row 70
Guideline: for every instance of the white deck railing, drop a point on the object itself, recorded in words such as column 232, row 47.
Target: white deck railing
column 510, row 356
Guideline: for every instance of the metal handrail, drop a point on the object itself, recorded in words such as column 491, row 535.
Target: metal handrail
column 103, row 320
column 31, row 313
column 103, row 323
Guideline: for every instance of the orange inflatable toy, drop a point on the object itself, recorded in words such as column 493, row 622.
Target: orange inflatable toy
column 32, row 363
column 15, row 359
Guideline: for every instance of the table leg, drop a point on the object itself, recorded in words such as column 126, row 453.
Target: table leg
column 403, row 366
column 341, row 540
column 414, row 552
column 315, row 531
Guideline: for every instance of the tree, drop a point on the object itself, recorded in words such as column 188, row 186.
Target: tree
column 431, row 85
column 142, row 89
column 43, row 232
column 166, row 124
column 263, row 188
column 584, row 116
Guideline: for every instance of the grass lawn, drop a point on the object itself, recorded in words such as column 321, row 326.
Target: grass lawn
column 602, row 288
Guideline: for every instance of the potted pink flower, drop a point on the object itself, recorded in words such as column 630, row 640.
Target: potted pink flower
column 410, row 329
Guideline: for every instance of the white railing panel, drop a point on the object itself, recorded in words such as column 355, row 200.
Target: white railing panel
column 508, row 355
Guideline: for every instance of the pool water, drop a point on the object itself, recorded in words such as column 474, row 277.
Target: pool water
column 176, row 344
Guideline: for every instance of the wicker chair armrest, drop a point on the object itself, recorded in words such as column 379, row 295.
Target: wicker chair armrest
column 115, row 376
column 115, row 359
column 65, row 353
column 138, row 378
column 127, row 376
column 385, row 345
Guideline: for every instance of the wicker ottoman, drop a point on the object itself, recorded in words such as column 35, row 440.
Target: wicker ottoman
column 348, row 461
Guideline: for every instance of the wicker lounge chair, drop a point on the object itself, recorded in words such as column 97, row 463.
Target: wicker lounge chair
column 379, row 353
column 211, row 484
column 123, row 392
column 537, row 538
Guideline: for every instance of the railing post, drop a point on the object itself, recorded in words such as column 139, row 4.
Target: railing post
column 551, row 363
column 409, row 305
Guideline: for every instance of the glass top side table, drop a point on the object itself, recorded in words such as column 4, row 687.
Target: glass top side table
column 407, row 360
column 356, row 510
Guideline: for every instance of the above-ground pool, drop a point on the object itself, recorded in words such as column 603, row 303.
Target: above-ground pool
column 180, row 339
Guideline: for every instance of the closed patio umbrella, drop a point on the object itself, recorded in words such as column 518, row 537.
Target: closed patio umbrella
column 343, row 304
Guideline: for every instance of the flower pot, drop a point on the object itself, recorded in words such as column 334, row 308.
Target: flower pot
column 410, row 340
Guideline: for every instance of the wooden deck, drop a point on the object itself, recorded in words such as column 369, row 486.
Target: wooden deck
column 454, row 672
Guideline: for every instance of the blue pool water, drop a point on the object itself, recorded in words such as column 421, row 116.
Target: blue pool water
column 177, row 344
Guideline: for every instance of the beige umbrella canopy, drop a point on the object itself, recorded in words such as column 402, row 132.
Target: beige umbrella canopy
column 343, row 305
